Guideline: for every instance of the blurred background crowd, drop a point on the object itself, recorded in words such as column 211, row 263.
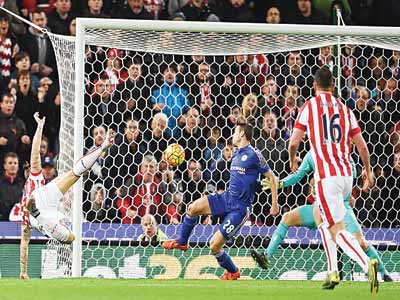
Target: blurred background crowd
column 152, row 100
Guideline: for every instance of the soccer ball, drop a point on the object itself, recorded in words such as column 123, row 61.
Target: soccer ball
column 174, row 155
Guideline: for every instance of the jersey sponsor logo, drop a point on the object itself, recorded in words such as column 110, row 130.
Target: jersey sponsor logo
column 240, row 170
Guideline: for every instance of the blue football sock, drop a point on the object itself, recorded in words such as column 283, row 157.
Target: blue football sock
column 186, row 229
column 372, row 253
column 226, row 262
column 277, row 239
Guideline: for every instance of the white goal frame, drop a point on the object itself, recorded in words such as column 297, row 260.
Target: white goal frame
column 341, row 34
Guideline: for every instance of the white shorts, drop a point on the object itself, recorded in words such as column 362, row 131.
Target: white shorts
column 51, row 222
column 47, row 197
column 330, row 193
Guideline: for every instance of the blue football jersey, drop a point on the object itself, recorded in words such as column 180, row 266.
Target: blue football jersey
column 247, row 164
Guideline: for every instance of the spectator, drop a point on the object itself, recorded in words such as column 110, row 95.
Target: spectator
column 133, row 94
column 377, row 73
column 272, row 144
column 250, row 109
column 339, row 5
column 98, row 208
column 157, row 8
column 174, row 209
column 325, row 58
column 151, row 233
column 124, row 157
column 98, row 136
column 17, row 26
column 133, row 10
column 11, row 185
column 29, row 6
column 291, row 108
column 191, row 136
column 228, row 127
column 215, row 146
column 235, row 11
column 199, row 10
column 13, row 136
column 273, row 15
column 23, row 63
column 219, row 170
column 269, row 99
column 394, row 64
column 157, row 136
column 48, row 169
column 170, row 99
column 38, row 45
column 140, row 195
column 8, row 48
column 308, row 14
column 28, row 103
column 175, row 6
column 98, row 104
column 44, row 148
column 372, row 128
column 72, row 27
column 296, row 73
column 60, row 17
column 114, row 70
column 94, row 9
column 193, row 183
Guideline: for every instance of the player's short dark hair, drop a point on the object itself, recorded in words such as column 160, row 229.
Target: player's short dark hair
column 248, row 129
column 10, row 154
column 324, row 78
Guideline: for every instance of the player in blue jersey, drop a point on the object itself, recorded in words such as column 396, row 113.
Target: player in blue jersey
column 233, row 205
column 308, row 216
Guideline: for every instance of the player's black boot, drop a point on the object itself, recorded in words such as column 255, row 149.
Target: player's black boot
column 260, row 259
column 387, row 278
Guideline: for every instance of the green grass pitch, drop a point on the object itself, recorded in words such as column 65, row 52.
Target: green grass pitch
column 109, row 289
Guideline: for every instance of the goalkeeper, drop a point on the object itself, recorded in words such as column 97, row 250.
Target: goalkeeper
column 304, row 216
column 40, row 201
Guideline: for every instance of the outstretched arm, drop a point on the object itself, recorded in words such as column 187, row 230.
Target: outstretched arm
column 25, row 238
column 305, row 168
column 362, row 148
column 36, row 165
column 274, row 192
column 294, row 143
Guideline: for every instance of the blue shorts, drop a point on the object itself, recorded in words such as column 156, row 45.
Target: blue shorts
column 233, row 219
column 307, row 216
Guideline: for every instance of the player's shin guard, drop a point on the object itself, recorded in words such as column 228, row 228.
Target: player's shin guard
column 277, row 238
column 329, row 248
column 372, row 253
column 186, row 229
column 225, row 261
column 87, row 161
column 352, row 248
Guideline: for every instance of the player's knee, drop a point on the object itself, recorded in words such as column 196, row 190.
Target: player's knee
column 215, row 247
column 363, row 243
column 191, row 210
column 286, row 218
column 70, row 238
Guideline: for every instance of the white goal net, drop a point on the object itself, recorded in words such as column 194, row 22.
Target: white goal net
column 156, row 84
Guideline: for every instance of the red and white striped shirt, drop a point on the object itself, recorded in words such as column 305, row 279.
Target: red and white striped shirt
column 330, row 125
column 34, row 181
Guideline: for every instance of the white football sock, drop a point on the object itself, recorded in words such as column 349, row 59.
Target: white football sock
column 329, row 248
column 87, row 161
column 352, row 248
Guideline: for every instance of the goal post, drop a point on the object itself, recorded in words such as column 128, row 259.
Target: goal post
column 140, row 37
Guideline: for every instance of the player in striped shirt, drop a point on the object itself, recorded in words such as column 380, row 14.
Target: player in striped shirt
column 304, row 216
column 331, row 128
column 40, row 201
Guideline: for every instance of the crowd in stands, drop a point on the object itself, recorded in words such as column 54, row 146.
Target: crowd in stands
column 152, row 100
